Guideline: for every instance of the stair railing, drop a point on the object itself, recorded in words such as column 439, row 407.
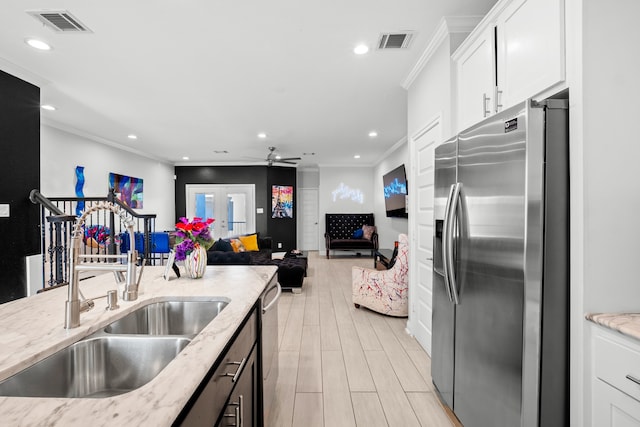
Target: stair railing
column 102, row 232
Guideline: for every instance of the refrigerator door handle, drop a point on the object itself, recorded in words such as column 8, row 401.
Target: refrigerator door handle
column 446, row 242
column 448, row 253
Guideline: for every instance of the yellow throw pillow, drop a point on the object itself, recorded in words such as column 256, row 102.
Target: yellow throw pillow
column 250, row 242
column 237, row 245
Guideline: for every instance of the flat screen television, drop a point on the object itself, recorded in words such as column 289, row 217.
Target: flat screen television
column 395, row 192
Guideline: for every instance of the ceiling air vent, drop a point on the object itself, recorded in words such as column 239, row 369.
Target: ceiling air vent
column 395, row 40
column 60, row 21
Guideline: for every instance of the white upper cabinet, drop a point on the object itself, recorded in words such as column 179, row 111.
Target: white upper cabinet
column 530, row 49
column 516, row 52
column 476, row 80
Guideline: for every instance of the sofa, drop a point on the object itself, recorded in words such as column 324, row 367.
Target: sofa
column 291, row 271
column 221, row 254
column 342, row 232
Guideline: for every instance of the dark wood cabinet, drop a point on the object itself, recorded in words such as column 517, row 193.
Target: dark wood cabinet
column 243, row 405
column 234, row 378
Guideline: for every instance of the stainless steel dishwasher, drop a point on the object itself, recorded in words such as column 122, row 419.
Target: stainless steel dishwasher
column 269, row 335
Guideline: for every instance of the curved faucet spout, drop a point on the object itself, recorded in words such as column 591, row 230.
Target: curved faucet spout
column 74, row 306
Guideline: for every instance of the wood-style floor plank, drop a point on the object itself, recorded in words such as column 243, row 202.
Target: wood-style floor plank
column 293, row 329
column 342, row 366
column 428, row 410
column 356, row 365
column 282, row 410
column 310, row 365
column 308, row 410
column 338, row 410
column 368, row 410
column 404, row 368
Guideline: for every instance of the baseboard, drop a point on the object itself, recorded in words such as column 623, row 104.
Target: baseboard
column 448, row 412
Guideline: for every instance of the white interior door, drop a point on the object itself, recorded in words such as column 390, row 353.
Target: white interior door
column 423, row 146
column 308, row 219
column 231, row 205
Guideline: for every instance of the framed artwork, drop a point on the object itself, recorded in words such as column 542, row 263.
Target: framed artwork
column 281, row 201
column 128, row 189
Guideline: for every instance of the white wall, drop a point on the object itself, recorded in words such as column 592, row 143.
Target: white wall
column 430, row 96
column 389, row 228
column 604, row 90
column 431, row 93
column 62, row 151
column 344, row 190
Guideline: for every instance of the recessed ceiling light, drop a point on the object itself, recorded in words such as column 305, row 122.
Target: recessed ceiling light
column 373, row 134
column 262, row 135
column 357, row 156
column 38, row 44
column 48, row 107
column 132, row 136
column 185, row 158
column 361, row 49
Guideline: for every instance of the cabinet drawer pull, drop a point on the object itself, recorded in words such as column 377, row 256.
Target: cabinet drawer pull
column 633, row 379
column 238, row 412
column 237, row 373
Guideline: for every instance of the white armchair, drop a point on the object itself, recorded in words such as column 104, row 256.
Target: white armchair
column 384, row 291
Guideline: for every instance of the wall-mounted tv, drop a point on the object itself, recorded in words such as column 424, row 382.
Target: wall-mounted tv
column 395, row 192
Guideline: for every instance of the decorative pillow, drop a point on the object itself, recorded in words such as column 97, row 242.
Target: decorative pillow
column 222, row 245
column 358, row 234
column 367, row 231
column 250, row 242
column 237, row 245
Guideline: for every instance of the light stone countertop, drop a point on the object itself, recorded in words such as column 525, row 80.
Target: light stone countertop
column 625, row 323
column 33, row 328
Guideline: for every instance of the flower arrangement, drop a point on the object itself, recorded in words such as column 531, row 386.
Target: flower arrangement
column 96, row 235
column 189, row 234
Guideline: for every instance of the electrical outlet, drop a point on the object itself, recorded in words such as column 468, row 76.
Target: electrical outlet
column 279, row 245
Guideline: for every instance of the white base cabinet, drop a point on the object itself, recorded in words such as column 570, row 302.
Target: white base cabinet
column 615, row 380
column 613, row 408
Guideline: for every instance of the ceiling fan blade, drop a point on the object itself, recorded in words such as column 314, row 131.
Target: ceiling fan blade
column 292, row 158
column 285, row 161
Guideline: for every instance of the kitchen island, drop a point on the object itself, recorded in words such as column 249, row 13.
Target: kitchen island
column 32, row 329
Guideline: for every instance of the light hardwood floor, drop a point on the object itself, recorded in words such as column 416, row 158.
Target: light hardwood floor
column 342, row 366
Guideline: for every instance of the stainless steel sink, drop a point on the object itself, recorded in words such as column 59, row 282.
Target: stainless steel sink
column 169, row 318
column 100, row 366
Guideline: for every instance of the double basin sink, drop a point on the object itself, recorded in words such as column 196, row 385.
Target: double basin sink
column 121, row 357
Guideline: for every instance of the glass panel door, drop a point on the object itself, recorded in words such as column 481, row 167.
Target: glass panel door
column 231, row 205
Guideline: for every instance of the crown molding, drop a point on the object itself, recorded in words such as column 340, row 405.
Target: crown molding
column 448, row 25
column 22, row 73
column 74, row 131
column 402, row 141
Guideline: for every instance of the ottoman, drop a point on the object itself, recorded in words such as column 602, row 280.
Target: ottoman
column 291, row 272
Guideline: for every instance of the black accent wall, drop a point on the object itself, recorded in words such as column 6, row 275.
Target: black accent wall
column 20, row 173
column 281, row 230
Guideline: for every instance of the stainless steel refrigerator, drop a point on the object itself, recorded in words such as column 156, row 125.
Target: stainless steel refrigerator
column 500, row 333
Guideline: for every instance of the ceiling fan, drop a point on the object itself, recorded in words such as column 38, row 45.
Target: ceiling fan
column 272, row 158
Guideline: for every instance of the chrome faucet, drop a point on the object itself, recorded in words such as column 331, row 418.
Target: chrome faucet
column 74, row 306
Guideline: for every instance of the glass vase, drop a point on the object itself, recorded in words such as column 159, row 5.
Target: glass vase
column 195, row 263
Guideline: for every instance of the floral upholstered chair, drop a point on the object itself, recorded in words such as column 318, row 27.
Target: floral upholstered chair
column 384, row 291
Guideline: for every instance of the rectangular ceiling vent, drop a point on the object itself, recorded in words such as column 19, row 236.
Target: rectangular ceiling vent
column 60, row 21
column 400, row 40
